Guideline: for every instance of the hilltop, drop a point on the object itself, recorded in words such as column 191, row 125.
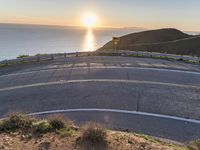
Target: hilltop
column 167, row 40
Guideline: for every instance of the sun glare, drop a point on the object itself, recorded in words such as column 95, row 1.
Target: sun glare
column 90, row 20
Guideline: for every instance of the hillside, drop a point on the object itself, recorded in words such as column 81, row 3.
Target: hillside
column 169, row 40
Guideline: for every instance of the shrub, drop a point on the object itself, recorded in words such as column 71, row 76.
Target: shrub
column 94, row 133
column 66, row 132
column 42, row 126
column 57, row 121
column 23, row 56
column 15, row 122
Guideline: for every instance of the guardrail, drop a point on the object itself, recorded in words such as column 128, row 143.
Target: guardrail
column 43, row 57
column 185, row 58
column 126, row 53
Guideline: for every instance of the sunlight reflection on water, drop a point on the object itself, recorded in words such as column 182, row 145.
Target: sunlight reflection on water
column 89, row 41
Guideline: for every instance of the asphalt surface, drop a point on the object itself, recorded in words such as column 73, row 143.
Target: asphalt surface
column 119, row 83
column 157, row 126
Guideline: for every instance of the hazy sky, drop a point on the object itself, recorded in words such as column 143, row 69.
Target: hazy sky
column 182, row 14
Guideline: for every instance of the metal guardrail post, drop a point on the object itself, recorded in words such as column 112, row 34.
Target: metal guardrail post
column 6, row 62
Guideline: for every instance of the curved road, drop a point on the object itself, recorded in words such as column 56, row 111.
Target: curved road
column 110, row 83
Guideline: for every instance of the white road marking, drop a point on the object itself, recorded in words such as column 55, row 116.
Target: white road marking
column 118, row 111
column 97, row 80
column 105, row 67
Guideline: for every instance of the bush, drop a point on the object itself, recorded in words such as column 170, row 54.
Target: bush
column 15, row 122
column 94, row 133
column 42, row 126
column 23, row 56
column 66, row 132
column 57, row 121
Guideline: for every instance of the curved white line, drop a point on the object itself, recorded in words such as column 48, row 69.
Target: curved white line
column 97, row 80
column 117, row 111
column 104, row 67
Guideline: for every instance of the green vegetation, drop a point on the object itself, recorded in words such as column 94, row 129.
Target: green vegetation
column 30, row 125
column 15, row 122
column 41, row 54
column 42, row 126
column 67, row 132
column 23, row 56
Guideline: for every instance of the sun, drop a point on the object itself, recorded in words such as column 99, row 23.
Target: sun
column 90, row 20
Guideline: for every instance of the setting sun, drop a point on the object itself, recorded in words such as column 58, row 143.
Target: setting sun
column 90, row 20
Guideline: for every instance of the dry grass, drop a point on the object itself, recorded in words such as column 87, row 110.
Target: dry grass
column 57, row 132
column 93, row 136
column 94, row 133
column 194, row 145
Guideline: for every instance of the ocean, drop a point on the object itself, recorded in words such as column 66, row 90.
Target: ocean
column 18, row 39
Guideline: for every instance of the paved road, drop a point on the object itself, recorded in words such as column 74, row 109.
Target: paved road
column 131, row 84
column 159, row 126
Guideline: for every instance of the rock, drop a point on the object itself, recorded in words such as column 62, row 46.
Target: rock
column 44, row 145
column 14, row 133
column 130, row 142
column 26, row 136
column 2, row 147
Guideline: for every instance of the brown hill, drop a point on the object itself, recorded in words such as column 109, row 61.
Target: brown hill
column 163, row 40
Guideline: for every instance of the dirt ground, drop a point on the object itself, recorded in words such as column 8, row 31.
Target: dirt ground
column 52, row 141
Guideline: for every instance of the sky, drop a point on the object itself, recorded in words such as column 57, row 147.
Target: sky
column 181, row 14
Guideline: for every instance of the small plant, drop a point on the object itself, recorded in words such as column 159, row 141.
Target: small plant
column 15, row 122
column 23, row 56
column 42, row 126
column 57, row 121
column 66, row 132
column 94, row 133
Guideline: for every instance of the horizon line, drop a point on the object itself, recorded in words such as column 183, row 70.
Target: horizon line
column 75, row 26
column 97, row 27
